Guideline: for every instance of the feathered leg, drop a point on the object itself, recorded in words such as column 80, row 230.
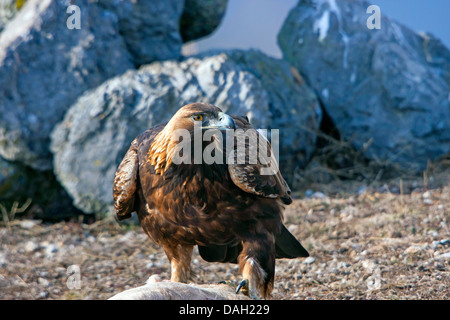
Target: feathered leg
column 180, row 261
column 257, row 264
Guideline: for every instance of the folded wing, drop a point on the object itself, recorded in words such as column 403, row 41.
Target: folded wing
column 260, row 177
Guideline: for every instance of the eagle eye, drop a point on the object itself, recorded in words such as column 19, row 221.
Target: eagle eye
column 197, row 117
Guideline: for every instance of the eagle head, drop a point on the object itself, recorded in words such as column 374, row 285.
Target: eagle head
column 189, row 117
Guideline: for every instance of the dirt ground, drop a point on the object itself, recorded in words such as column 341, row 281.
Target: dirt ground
column 386, row 242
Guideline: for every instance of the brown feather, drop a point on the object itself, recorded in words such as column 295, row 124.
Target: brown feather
column 125, row 184
column 232, row 212
column 247, row 176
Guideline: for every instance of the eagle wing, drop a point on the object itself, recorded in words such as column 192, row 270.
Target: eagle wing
column 125, row 180
column 124, row 186
column 247, row 176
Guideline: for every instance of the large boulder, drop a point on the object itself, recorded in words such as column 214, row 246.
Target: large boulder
column 386, row 90
column 45, row 66
column 293, row 107
column 8, row 10
column 150, row 28
column 20, row 184
column 200, row 18
column 98, row 129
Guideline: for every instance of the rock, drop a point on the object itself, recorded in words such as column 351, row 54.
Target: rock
column 443, row 242
column 369, row 265
column 19, row 183
column 387, row 90
column 31, row 246
column 427, row 195
column 414, row 250
column 3, row 262
column 98, row 129
column 309, row 260
column 444, row 256
column 319, row 195
column 179, row 291
column 200, row 18
column 293, row 107
column 45, row 66
column 4, row 282
column 150, row 28
column 29, row 223
column 43, row 282
column 8, row 10
column 50, row 250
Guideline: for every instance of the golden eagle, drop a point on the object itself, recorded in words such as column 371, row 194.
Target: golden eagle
column 229, row 210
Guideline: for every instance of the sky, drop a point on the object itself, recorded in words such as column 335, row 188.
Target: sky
column 256, row 23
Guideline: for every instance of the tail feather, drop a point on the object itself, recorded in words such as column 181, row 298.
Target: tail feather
column 287, row 246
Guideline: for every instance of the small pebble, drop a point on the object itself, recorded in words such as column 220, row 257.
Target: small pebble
column 309, row 260
column 50, row 249
column 444, row 256
column 443, row 242
column 29, row 224
column 153, row 279
column 319, row 195
column 43, row 282
column 31, row 246
column 426, row 195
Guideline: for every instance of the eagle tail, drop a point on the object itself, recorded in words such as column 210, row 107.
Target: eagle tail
column 287, row 246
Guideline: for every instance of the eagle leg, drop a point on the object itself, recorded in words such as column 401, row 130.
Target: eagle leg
column 180, row 261
column 257, row 265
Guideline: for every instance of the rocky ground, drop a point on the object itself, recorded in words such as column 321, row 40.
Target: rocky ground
column 386, row 242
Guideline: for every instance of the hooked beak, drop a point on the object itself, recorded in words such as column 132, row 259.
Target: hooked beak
column 222, row 122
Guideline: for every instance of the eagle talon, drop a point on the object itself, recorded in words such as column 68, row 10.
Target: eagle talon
column 244, row 286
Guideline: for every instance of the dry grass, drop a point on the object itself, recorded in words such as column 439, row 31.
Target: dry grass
column 338, row 164
column 375, row 246
column 389, row 240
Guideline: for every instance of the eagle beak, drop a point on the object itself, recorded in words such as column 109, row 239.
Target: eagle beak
column 222, row 122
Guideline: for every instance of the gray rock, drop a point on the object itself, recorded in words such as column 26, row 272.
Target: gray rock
column 43, row 295
column 293, row 107
column 44, row 67
column 98, row 129
column 309, row 260
column 8, row 10
column 49, row 200
column 200, row 18
column 150, row 28
column 387, row 90
column 444, row 256
column 29, row 224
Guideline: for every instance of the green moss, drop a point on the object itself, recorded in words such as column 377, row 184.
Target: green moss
column 20, row 3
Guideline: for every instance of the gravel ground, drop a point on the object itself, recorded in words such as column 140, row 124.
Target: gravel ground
column 372, row 243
